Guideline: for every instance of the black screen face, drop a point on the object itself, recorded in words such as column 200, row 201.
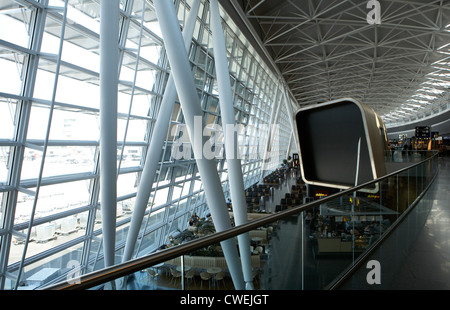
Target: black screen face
column 328, row 138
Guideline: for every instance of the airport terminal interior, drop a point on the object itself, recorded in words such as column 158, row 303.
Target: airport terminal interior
column 301, row 139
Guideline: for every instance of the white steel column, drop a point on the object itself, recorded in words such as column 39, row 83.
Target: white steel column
column 156, row 144
column 291, row 115
column 288, row 151
column 192, row 112
column 273, row 120
column 109, row 60
column 236, row 179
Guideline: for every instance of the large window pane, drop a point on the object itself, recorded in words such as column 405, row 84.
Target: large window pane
column 4, row 169
column 63, row 260
column 126, row 184
column 52, row 199
column 60, row 160
column 8, row 120
column 12, row 73
column 135, row 131
column 18, row 18
column 66, row 125
column 132, row 156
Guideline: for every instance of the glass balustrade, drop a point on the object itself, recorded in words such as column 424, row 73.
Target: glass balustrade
column 293, row 246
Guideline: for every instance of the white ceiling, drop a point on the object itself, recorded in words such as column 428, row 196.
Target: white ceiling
column 327, row 49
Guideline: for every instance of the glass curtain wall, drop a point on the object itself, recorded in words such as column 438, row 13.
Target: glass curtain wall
column 49, row 130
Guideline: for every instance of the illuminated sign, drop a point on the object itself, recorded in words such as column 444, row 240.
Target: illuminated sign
column 320, row 194
column 422, row 131
column 296, row 159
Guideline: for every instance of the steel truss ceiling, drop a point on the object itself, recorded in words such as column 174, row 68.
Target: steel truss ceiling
column 327, row 49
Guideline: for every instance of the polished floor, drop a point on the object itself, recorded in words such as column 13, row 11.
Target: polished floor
column 428, row 263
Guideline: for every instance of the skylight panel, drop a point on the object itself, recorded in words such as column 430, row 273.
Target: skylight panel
column 445, row 45
column 438, row 83
column 414, row 105
column 424, row 96
column 409, row 109
column 418, row 101
column 432, row 90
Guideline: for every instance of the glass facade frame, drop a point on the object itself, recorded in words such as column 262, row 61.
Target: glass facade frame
column 49, row 129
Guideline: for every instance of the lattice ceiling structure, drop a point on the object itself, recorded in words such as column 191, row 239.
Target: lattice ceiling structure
column 327, row 49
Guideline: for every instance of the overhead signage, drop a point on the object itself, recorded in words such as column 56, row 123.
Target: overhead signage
column 296, row 159
column 320, row 194
column 422, row 131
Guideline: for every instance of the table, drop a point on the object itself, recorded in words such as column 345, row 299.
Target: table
column 214, row 270
column 186, row 268
column 257, row 240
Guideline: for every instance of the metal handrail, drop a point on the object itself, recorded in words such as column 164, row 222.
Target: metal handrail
column 105, row 275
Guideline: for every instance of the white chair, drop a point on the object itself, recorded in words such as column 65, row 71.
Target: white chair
column 151, row 274
column 175, row 275
column 220, row 276
column 190, row 275
column 205, row 276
